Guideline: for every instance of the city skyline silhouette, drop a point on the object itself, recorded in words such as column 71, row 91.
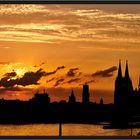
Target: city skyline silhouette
column 66, row 48
column 40, row 108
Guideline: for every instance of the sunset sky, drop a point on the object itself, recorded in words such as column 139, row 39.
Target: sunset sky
column 60, row 47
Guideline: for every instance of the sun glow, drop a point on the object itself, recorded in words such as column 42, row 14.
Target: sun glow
column 20, row 71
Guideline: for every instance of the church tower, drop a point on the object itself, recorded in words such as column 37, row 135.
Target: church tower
column 119, row 71
column 85, row 95
column 118, row 86
column 72, row 98
column 123, row 88
column 128, row 83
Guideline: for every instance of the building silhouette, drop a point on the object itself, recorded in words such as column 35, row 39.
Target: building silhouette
column 72, row 98
column 124, row 95
column 85, row 94
column 101, row 101
column 41, row 98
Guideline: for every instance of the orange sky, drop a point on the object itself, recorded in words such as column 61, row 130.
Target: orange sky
column 72, row 44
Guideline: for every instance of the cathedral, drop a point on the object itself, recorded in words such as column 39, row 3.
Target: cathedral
column 124, row 94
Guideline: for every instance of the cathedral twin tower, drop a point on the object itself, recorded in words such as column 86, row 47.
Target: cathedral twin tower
column 124, row 95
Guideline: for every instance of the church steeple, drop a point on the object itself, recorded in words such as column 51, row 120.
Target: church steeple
column 72, row 98
column 126, row 70
column 120, row 70
column 72, row 93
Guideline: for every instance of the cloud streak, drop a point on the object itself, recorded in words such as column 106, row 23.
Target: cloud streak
column 58, row 82
column 72, row 72
column 105, row 73
column 97, row 24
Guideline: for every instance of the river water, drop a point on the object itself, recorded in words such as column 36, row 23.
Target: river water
column 67, row 130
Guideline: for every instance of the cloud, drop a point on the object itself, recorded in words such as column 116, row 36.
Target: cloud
column 43, row 63
column 59, row 68
column 62, row 79
column 72, row 72
column 4, row 63
column 105, row 73
column 73, row 80
column 58, row 82
column 31, row 78
column 97, row 22
column 53, row 72
column 6, row 82
column 10, row 74
column 47, row 81
column 90, row 81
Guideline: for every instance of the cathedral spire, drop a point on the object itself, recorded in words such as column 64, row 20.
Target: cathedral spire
column 72, row 93
column 120, row 70
column 126, row 70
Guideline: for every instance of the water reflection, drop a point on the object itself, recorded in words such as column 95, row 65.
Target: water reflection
column 67, row 130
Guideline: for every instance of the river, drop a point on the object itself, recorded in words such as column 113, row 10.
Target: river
column 67, row 130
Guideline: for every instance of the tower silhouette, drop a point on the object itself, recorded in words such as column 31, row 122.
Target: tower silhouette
column 123, row 87
column 72, row 98
column 101, row 101
column 128, row 82
column 85, row 95
column 118, row 87
column 119, row 71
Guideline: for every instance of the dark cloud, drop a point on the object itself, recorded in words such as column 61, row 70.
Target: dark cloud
column 10, row 74
column 42, row 63
column 53, row 72
column 31, row 78
column 59, row 68
column 6, row 82
column 47, row 81
column 58, row 82
column 73, row 80
column 72, row 72
column 105, row 73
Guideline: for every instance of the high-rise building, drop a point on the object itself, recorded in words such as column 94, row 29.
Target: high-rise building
column 85, row 94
